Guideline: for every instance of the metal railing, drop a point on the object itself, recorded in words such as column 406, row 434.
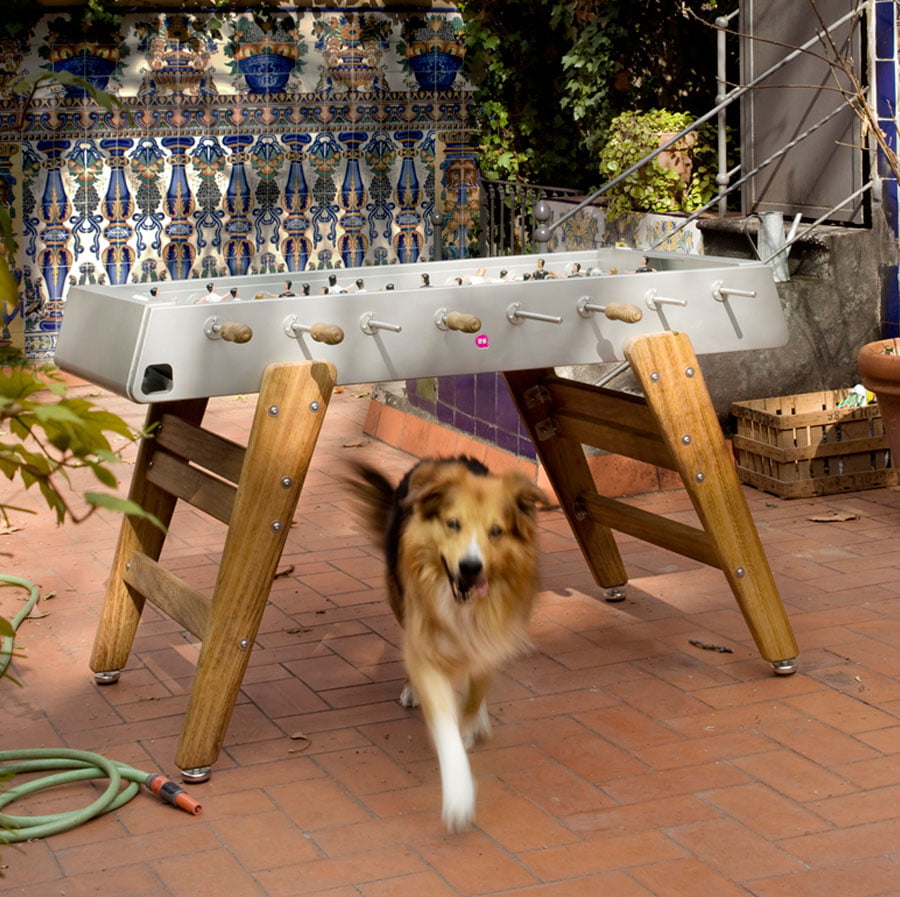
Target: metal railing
column 506, row 212
column 541, row 232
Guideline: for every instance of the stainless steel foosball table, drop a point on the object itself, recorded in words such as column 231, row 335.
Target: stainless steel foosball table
column 172, row 345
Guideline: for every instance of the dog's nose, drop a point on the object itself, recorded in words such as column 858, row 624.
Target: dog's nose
column 469, row 570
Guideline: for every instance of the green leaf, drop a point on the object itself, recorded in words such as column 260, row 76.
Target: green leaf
column 122, row 505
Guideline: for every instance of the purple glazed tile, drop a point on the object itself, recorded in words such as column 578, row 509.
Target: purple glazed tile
column 464, row 422
column 485, row 431
column 445, row 414
column 446, row 390
column 486, row 397
column 886, row 85
column 507, row 413
column 507, row 440
column 884, row 29
column 464, row 399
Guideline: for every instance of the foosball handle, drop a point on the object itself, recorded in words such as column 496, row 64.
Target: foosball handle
column 235, row 332
column 464, row 323
column 617, row 311
column 330, row 334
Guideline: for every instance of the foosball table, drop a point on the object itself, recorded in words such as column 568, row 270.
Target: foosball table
column 175, row 344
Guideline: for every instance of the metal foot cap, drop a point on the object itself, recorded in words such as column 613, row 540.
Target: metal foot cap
column 616, row 593
column 196, row 775
column 785, row 667
column 107, row 677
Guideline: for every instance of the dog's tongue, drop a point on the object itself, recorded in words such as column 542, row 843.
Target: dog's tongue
column 480, row 588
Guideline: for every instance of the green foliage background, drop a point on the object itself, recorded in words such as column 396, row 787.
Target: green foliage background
column 551, row 76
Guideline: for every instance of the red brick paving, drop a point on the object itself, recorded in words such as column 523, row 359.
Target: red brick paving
column 624, row 760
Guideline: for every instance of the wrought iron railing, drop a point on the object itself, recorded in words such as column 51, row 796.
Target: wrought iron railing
column 506, row 214
column 508, row 222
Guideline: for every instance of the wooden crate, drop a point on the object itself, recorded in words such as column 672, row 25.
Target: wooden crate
column 804, row 445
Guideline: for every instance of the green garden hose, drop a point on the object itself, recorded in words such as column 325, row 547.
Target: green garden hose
column 79, row 766
column 6, row 643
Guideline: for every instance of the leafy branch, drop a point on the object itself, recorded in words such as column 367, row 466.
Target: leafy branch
column 54, row 435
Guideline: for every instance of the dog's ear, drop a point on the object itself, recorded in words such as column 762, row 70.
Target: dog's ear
column 427, row 487
column 526, row 496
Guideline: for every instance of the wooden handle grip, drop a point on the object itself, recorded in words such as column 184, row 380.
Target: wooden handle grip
column 330, row 334
column 464, row 323
column 236, row 332
column 616, row 311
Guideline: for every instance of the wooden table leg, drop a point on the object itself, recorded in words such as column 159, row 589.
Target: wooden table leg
column 289, row 414
column 567, row 469
column 674, row 388
column 123, row 606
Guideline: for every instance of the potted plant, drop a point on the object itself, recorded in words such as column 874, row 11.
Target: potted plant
column 680, row 179
column 878, row 363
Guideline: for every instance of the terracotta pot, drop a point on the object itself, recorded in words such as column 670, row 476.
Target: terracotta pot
column 879, row 366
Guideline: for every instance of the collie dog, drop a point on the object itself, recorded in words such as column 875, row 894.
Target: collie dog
column 460, row 555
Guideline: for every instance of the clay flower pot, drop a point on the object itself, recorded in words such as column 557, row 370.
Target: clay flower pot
column 879, row 366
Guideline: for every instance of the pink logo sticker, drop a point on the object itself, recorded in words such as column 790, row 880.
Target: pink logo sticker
column 482, row 341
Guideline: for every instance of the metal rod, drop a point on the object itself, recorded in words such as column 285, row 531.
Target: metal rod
column 752, row 173
column 723, row 176
column 653, row 300
column 720, row 292
column 515, row 315
column 817, row 222
column 370, row 326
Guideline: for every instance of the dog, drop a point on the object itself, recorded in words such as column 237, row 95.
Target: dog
column 461, row 561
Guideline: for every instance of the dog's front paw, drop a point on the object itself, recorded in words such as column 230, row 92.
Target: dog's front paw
column 458, row 811
column 408, row 697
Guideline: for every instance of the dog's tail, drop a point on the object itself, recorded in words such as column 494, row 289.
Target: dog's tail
column 374, row 495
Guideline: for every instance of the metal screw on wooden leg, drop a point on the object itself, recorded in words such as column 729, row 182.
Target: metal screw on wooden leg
column 196, row 775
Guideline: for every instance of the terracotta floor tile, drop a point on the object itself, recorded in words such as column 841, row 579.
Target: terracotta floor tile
column 819, row 743
column 265, row 840
column 867, row 878
column 733, row 850
column 793, row 776
column 419, row 884
column 487, row 867
column 652, row 815
column 856, row 809
column 623, row 761
column 604, row 854
column 770, row 814
column 326, row 875
column 684, row 780
column 686, row 878
column 617, row 883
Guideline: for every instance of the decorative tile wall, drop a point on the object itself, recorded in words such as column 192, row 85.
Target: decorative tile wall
column 884, row 25
column 323, row 139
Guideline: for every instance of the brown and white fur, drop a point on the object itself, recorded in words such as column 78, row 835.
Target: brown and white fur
column 461, row 567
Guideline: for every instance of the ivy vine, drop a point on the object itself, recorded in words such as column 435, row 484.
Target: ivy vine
column 551, row 76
